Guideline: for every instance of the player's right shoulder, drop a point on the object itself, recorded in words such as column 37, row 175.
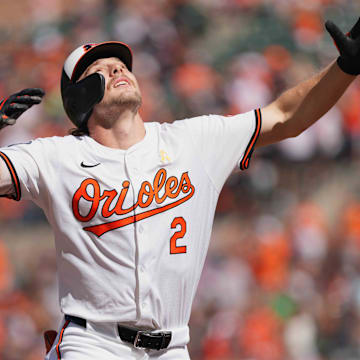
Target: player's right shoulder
column 42, row 140
column 60, row 140
column 44, row 147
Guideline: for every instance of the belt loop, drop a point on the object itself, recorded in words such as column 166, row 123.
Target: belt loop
column 162, row 346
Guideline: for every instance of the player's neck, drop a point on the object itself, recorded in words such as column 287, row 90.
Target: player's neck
column 125, row 131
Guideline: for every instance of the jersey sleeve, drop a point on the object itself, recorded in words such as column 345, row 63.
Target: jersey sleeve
column 29, row 167
column 225, row 142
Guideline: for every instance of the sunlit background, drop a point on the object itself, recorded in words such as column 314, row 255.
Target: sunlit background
column 282, row 277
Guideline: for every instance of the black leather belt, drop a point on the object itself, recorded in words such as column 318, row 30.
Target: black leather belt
column 139, row 338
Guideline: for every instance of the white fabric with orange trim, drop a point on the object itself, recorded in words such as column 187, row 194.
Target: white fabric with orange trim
column 6, row 178
column 132, row 227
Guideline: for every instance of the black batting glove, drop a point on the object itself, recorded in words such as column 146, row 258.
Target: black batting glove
column 348, row 46
column 12, row 107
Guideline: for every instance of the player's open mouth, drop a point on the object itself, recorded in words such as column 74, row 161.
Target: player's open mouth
column 121, row 82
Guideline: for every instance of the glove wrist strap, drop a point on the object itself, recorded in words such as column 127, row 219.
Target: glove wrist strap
column 348, row 66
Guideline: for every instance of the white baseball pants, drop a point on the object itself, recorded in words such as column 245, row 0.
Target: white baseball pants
column 75, row 342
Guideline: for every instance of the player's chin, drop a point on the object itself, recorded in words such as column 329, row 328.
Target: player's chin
column 127, row 92
column 129, row 99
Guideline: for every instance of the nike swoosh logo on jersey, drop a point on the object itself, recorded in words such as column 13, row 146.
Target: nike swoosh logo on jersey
column 88, row 166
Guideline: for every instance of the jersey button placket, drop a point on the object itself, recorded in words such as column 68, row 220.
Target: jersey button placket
column 136, row 179
column 144, row 283
column 143, row 274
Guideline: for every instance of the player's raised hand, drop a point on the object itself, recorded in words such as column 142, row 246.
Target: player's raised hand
column 13, row 106
column 348, row 46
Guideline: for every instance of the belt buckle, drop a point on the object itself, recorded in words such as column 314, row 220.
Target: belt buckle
column 160, row 336
column 137, row 338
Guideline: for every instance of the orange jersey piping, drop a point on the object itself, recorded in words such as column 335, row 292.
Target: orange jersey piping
column 67, row 322
column 244, row 163
column 14, row 176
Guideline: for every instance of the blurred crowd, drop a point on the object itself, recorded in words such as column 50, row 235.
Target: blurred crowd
column 282, row 277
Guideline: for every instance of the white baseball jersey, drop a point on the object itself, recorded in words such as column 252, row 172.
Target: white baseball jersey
column 132, row 227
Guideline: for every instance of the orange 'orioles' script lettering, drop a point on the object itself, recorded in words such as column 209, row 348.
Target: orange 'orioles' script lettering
column 112, row 201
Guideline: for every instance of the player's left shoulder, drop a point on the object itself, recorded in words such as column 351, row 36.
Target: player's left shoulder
column 182, row 125
column 39, row 142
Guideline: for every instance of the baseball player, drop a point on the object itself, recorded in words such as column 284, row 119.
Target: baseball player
column 132, row 203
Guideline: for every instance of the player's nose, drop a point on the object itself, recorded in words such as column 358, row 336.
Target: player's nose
column 115, row 70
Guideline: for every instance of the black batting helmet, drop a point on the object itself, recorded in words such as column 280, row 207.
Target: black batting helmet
column 79, row 97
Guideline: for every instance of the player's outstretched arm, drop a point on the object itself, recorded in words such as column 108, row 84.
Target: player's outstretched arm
column 10, row 110
column 301, row 106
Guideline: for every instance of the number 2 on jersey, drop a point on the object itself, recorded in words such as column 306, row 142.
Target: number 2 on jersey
column 174, row 249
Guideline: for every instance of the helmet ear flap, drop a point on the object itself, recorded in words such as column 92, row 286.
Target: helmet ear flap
column 80, row 98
